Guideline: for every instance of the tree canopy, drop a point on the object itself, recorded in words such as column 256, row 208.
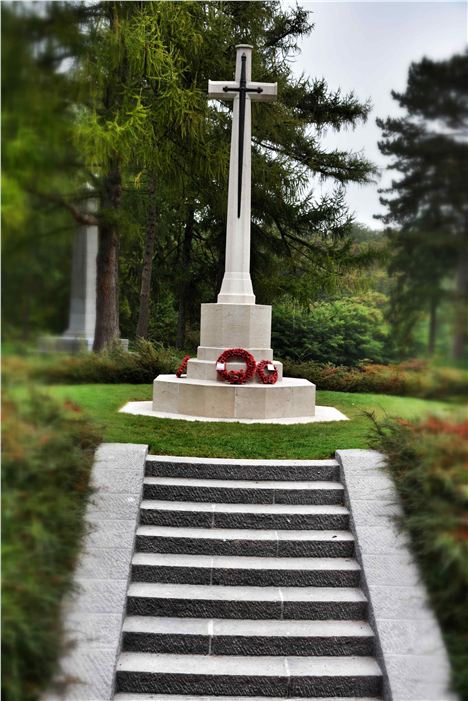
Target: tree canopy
column 427, row 203
column 131, row 83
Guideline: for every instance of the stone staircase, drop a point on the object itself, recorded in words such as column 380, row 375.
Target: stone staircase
column 244, row 584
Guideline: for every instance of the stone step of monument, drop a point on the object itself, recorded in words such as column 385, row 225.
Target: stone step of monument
column 172, row 697
column 218, row 468
column 254, row 571
column 244, row 541
column 248, row 676
column 242, row 491
column 251, row 516
column 205, row 636
column 249, row 602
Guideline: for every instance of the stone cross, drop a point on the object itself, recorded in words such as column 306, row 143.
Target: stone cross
column 237, row 285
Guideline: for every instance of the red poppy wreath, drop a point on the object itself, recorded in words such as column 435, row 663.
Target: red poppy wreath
column 236, row 377
column 267, row 377
column 183, row 366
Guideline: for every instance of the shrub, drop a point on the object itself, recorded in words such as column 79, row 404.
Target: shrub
column 406, row 379
column 112, row 366
column 428, row 461
column 342, row 332
column 47, row 454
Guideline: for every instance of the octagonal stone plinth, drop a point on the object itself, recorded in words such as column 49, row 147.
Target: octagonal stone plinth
column 289, row 398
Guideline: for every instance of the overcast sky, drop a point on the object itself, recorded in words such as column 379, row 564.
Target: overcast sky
column 367, row 47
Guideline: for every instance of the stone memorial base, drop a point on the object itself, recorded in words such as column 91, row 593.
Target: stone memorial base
column 202, row 393
column 289, row 398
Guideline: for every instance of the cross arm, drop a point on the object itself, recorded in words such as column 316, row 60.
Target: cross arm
column 216, row 89
column 268, row 94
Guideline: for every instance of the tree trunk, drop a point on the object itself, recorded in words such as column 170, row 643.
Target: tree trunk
column 147, row 270
column 185, row 278
column 461, row 303
column 107, row 262
column 432, row 326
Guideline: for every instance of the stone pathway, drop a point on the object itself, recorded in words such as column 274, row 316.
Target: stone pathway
column 244, row 584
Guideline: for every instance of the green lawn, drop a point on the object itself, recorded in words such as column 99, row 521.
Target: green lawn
column 233, row 440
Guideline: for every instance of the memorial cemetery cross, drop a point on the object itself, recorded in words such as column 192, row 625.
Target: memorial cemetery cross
column 237, row 285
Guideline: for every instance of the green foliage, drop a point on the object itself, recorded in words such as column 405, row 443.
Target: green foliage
column 113, row 365
column 344, row 331
column 36, row 156
column 131, row 99
column 410, row 379
column 47, row 453
column 147, row 360
column 427, row 202
column 427, row 459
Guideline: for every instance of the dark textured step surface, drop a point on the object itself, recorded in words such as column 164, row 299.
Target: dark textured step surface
column 204, row 636
column 158, row 466
column 224, row 541
column 248, row 676
column 263, row 516
column 168, row 697
column 242, row 491
column 263, row 571
column 204, row 601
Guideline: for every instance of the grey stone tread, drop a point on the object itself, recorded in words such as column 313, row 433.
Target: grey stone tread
column 241, row 533
column 241, row 593
column 248, row 628
column 319, row 509
column 238, row 462
column 252, row 563
column 261, row 666
column 242, row 484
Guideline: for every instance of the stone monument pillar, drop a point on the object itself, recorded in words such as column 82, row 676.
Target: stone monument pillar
column 235, row 321
column 79, row 335
column 82, row 318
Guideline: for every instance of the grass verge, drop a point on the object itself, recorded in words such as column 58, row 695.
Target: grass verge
column 234, row 440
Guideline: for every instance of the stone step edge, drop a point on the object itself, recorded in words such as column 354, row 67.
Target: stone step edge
column 204, row 592
column 255, row 666
column 206, row 506
column 250, row 534
column 204, row 483
column 246, row 628
column 233, row 462
column 237, row 562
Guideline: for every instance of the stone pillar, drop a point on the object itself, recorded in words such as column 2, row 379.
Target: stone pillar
column 82, row 319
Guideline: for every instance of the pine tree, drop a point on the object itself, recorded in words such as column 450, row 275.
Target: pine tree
column 428, row 202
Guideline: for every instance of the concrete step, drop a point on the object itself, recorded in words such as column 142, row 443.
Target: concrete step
column 218, row 468
column 171, row 697
column 242, row 491
column 243, row 541
column 248, row 676
column 205, row 636
column 263, row 516
column 233, row 570
column 218, row 601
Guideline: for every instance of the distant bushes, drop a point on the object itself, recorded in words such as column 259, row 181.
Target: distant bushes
column 47, row 453
column 345, row 331
column 114, row 366
column 410, row 379
column 147, row 360
column 428, row 460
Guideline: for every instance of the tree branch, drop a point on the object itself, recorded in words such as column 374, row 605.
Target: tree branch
column 80, row 216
